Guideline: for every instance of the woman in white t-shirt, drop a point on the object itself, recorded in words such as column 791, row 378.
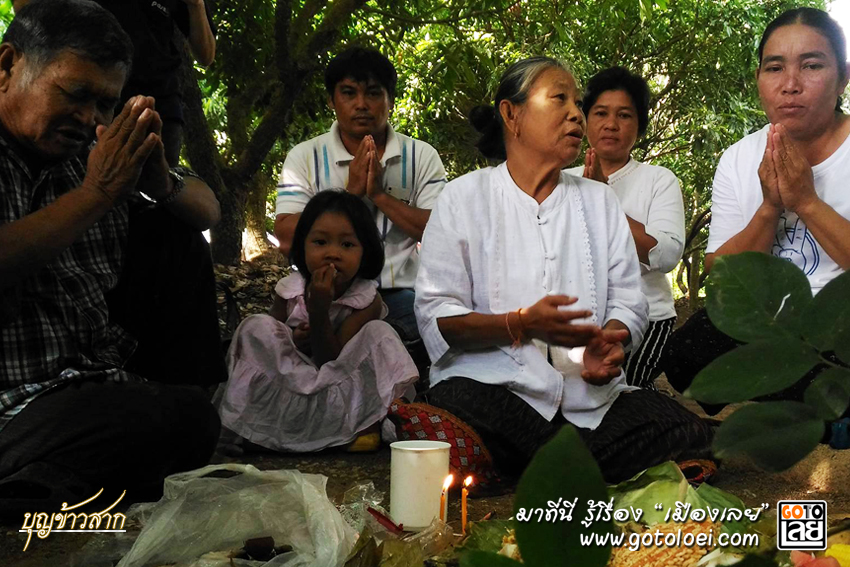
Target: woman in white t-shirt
column 782, row 190
column 616, row 103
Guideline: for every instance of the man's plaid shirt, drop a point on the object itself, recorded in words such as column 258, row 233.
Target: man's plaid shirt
column 54, row 325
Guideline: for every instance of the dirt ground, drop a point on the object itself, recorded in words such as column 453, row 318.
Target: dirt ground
column 824, row 474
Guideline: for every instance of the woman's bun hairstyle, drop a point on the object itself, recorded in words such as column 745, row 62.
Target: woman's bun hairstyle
column 491, row 144
column 483, row 117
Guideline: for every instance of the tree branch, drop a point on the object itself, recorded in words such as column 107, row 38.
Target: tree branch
column 282, row 28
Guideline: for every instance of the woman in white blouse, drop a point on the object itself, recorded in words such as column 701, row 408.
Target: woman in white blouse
column 616, row 103
column 529, row 291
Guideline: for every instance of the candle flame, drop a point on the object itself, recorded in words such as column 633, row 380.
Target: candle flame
column 468, row 481
column 448, row 482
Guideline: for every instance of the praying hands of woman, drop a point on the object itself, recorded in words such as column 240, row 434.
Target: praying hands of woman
column 785, row 174
column 592, row 167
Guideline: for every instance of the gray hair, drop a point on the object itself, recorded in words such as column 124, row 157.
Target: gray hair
column 514, row 86
column 45, row 28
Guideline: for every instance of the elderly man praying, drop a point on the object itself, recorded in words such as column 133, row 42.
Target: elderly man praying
column 73, row 419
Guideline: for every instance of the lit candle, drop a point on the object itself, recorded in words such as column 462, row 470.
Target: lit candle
column 443, row 504
column 463, row 494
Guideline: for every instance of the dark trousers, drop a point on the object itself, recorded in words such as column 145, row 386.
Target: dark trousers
column 78, row 438
column 166, row 300
column 641, row 429
column 642, row 364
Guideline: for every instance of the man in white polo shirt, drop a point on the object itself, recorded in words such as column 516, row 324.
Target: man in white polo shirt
column 398, row 177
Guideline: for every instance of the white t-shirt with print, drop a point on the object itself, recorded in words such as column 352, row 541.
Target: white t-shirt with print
column 736, row 196
column 413, row 173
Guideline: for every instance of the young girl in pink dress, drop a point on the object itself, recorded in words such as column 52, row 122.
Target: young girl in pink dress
column 322, row 367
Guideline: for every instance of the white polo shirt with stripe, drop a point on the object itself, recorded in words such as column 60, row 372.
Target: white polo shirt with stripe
column 413, row 173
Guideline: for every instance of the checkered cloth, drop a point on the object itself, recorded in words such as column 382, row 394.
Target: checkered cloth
column 54, row 324
column 467, row 455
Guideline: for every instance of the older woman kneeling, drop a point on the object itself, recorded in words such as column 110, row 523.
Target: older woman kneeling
column 529, row 291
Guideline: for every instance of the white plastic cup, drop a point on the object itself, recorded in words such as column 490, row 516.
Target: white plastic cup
column 418, row 470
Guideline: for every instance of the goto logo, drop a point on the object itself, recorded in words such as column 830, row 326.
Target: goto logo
column 801, row 524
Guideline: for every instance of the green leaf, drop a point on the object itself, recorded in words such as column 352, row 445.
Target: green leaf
column 753, row 370
column 365, row 552
column 828, row 316
column 842, row 345
column 829, row 394
column 754, row 296
column 563, row 468
column 486, row 559
column 487, row 536
column 775, row 435
column 398, row 553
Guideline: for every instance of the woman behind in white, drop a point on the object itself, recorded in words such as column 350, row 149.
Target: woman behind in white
column 529, row 288
column 616, row 103
column 784, row 189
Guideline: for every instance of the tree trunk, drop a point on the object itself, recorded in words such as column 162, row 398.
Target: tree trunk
column 255, row 219
column 226, row 241
column 694, row 280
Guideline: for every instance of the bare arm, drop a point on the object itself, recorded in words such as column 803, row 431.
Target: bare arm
column 543, row 320
column 756, row 237
column 196, row 204
column 352, row 325
column 284, row 230
column 831, row 230
column 759, row 233
column 201, row 38
column 797, row 191
column 643, row 242
column 409, row 219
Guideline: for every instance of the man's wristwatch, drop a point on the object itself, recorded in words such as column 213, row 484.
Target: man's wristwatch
column 179, row 184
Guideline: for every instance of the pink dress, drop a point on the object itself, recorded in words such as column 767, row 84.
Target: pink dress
column 276, row 397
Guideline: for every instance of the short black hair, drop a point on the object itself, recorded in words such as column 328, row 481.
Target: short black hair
column 333, row 201
column 620, row 79
column 361, row 64
column 44, row 28
column 823, row 24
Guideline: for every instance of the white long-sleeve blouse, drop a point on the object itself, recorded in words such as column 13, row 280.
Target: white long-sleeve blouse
column 491, row 248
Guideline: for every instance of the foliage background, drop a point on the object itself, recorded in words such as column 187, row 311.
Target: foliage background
column 265, row 93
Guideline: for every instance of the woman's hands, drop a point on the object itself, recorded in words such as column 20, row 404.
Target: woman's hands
column 548, row 321
column 593, row 168
column 786, row 177
column 320, row 291
column 604, row 356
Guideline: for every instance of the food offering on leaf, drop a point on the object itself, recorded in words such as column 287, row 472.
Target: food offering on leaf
column 509, row 547
column 664, row 556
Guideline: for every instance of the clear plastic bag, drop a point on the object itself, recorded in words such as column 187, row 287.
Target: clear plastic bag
column 200, row 513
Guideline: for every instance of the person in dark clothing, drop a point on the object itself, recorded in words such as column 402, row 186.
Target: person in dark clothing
column 74, row 417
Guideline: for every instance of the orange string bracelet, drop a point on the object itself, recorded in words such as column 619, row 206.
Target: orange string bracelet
column 514, row 339
column 517, row 340
column 521, row 324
